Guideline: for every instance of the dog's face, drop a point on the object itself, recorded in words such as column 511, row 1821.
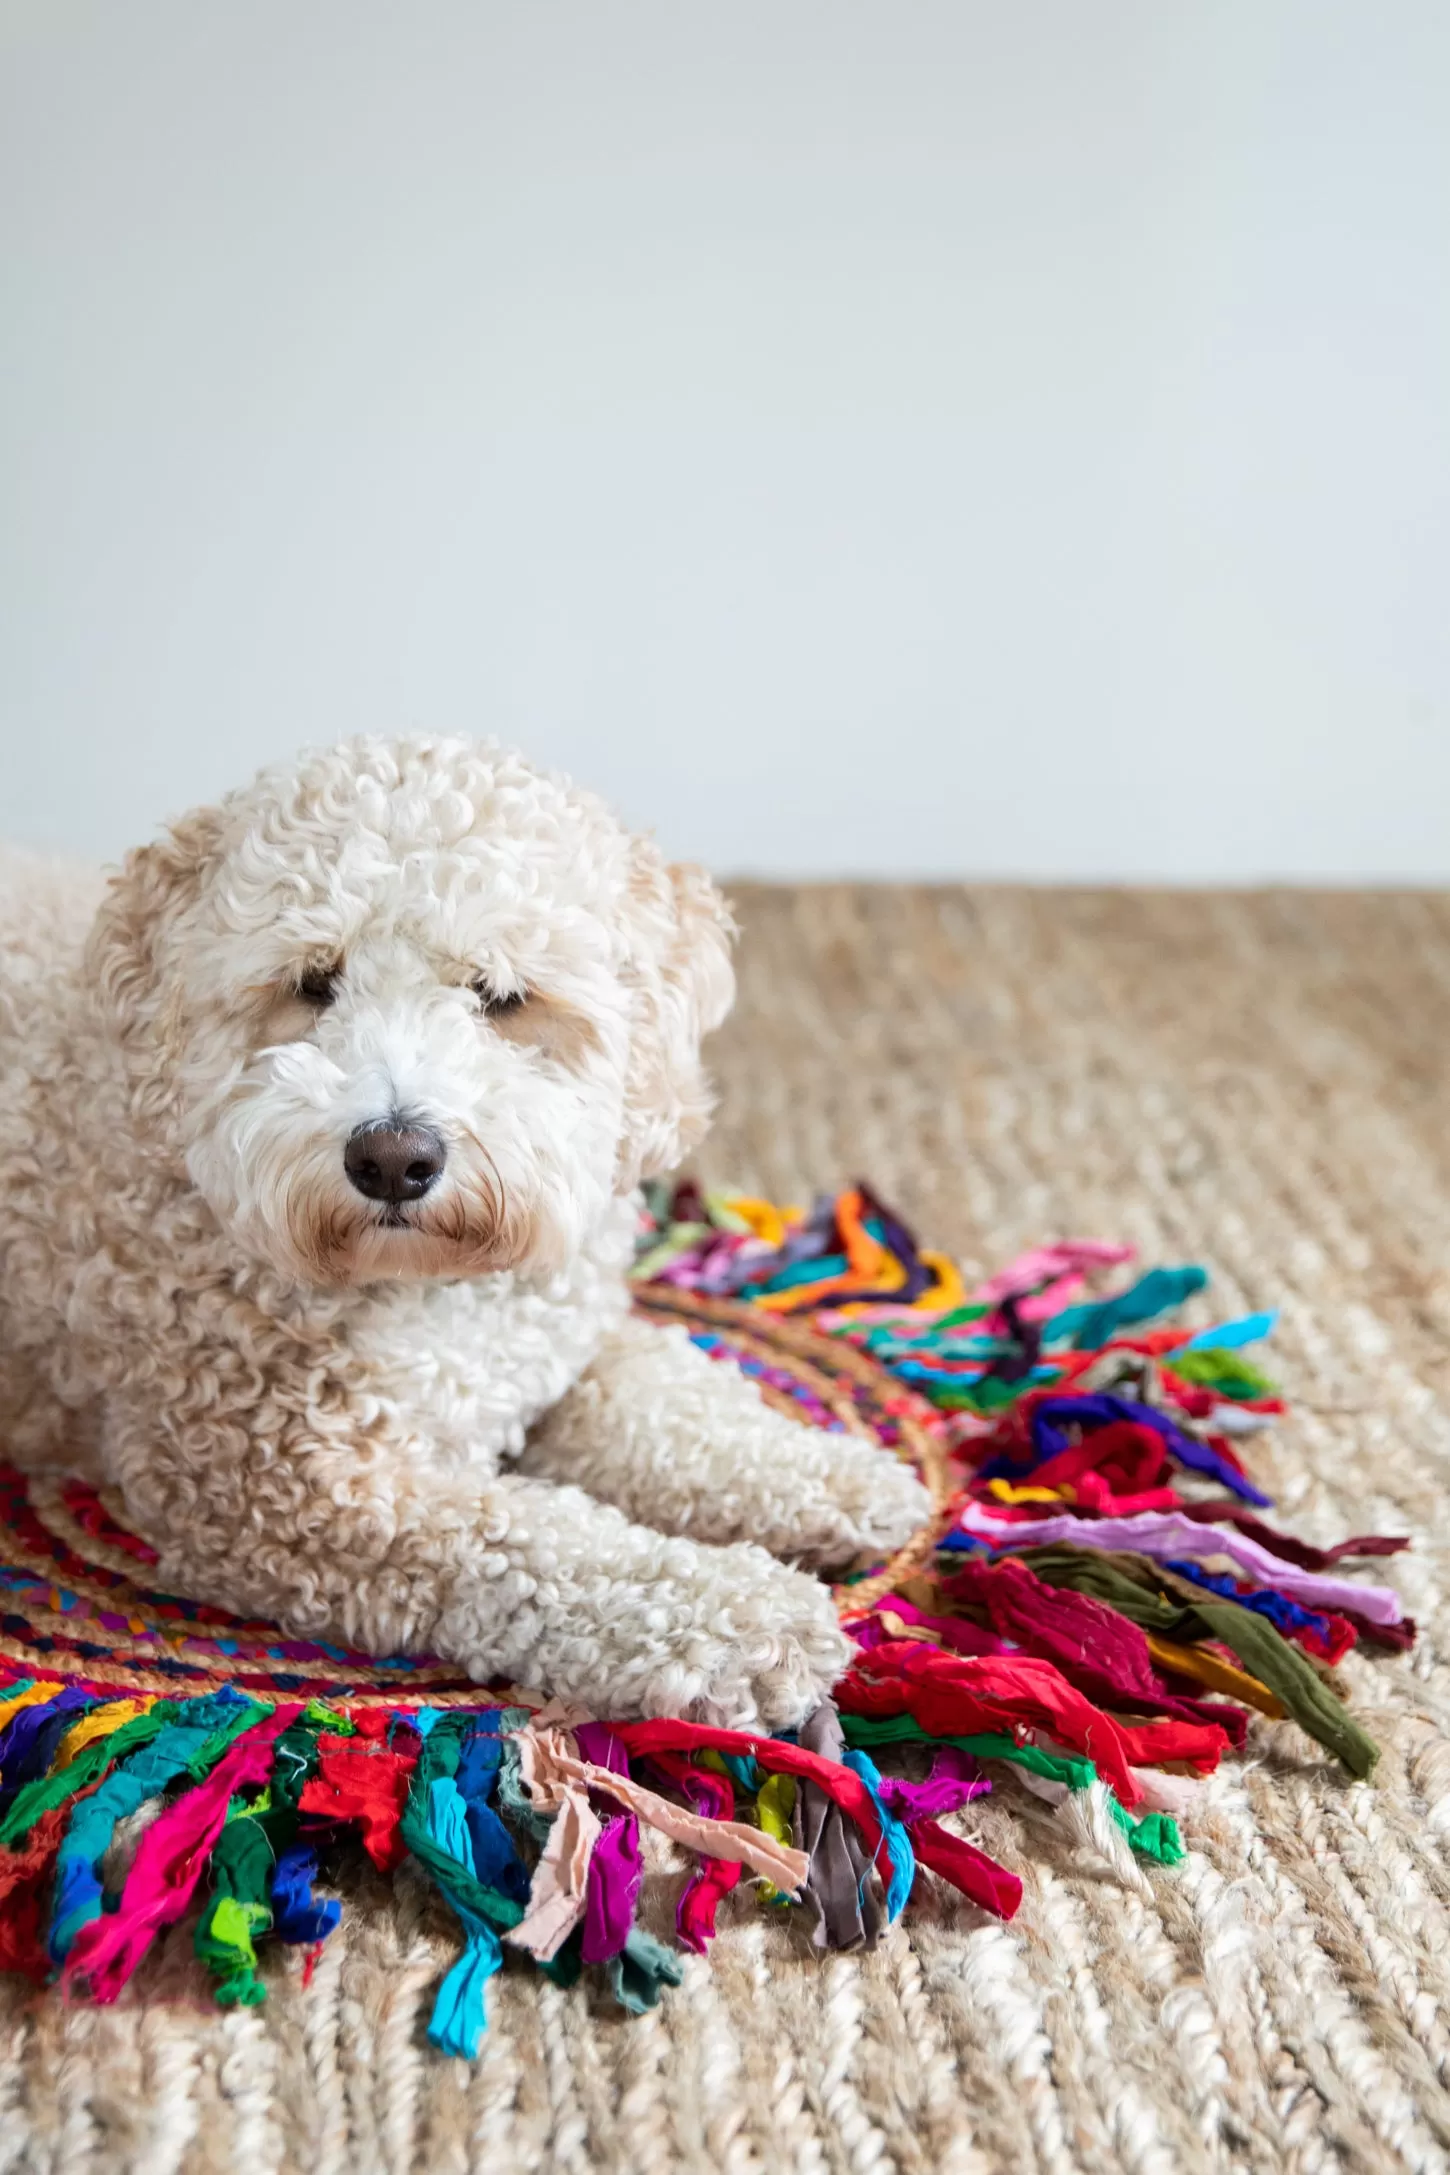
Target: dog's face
column 412, row 1009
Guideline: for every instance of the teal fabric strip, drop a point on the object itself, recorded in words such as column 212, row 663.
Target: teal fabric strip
column 459, row 2018
column 1092, row 1325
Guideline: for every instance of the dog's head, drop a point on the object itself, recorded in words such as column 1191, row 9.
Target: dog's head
column 412, row 1008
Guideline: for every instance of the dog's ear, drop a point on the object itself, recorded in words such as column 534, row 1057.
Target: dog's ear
column 126, row 954
column 679, row 935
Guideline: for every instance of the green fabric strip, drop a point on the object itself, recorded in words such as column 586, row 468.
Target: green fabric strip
column 1154, row 1836
column 641, row 1971
column 886, row 1729
column 1227, row 1372
column 1262, row 1649
column 45, row 1791
column 240, row 1909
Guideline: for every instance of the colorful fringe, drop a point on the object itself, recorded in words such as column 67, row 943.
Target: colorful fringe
column 1081, row 1612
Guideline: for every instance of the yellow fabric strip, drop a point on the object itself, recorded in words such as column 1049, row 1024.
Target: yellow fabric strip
column 1213, row 1674
column 1004, row 1491
column 34, row 1697
column 774, row 1804
column 948, row 1292
column 763, row 1217
column 100, row 1723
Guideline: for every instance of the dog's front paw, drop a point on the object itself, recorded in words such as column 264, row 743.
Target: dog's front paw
column 882, row 1503
column 863, row 1505
column 783, row 1664
column 764, row 1647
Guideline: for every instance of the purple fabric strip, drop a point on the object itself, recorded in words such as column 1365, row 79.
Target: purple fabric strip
column 955, row 1779
column 1164, row 1533
column 601, row 1747
column 615, row 1873
column 21, row 1731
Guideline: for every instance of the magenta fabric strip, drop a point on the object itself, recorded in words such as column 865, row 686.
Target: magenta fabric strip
column 170, row 1863
column 615, row 1872
column 714, row 1796
column 955, row 1779
column 950, row 1631
column 1102, row 1653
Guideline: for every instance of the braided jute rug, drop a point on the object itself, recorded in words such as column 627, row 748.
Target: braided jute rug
column 1252, row 1082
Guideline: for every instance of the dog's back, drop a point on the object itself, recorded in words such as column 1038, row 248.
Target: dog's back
column 46, row 905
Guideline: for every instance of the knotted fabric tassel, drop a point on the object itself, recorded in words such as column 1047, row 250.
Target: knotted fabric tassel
column 169, row 1863
column 192, row 1743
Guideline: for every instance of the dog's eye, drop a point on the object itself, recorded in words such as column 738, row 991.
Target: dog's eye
column 493, row 1005
column 318, row 985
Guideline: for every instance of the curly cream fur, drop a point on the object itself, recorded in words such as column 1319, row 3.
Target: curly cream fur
column 373, row 1425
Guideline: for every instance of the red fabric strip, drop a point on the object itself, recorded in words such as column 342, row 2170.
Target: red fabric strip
column 700, row 1898
column 977, row 1876
column 955, row 1697
column 1128, row 1456
column 1197, row 1745
column 1100, row 1652
column 1401, row 1636
column 365, row 1783
column 839, row 1783
column 24, row 1874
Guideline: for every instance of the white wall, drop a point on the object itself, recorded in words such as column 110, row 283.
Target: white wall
column 943, row 437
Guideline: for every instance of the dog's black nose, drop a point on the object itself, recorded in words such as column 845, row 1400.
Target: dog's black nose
column 394, row 1162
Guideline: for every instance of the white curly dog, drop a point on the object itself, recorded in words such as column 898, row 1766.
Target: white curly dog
column 320, row 1129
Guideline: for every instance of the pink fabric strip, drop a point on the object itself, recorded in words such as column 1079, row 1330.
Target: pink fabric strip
column 559, row 1891
column 169, row 1864
column 707, row 1838
column 701, row 1896
column 919, row 1318
column 1167, row 1533
column 555, row 1763
column 1059, row 1259
column 1064, row 1265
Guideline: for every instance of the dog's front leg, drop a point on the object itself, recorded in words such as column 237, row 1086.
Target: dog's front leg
column 688, row 1443
column 507, row 1576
